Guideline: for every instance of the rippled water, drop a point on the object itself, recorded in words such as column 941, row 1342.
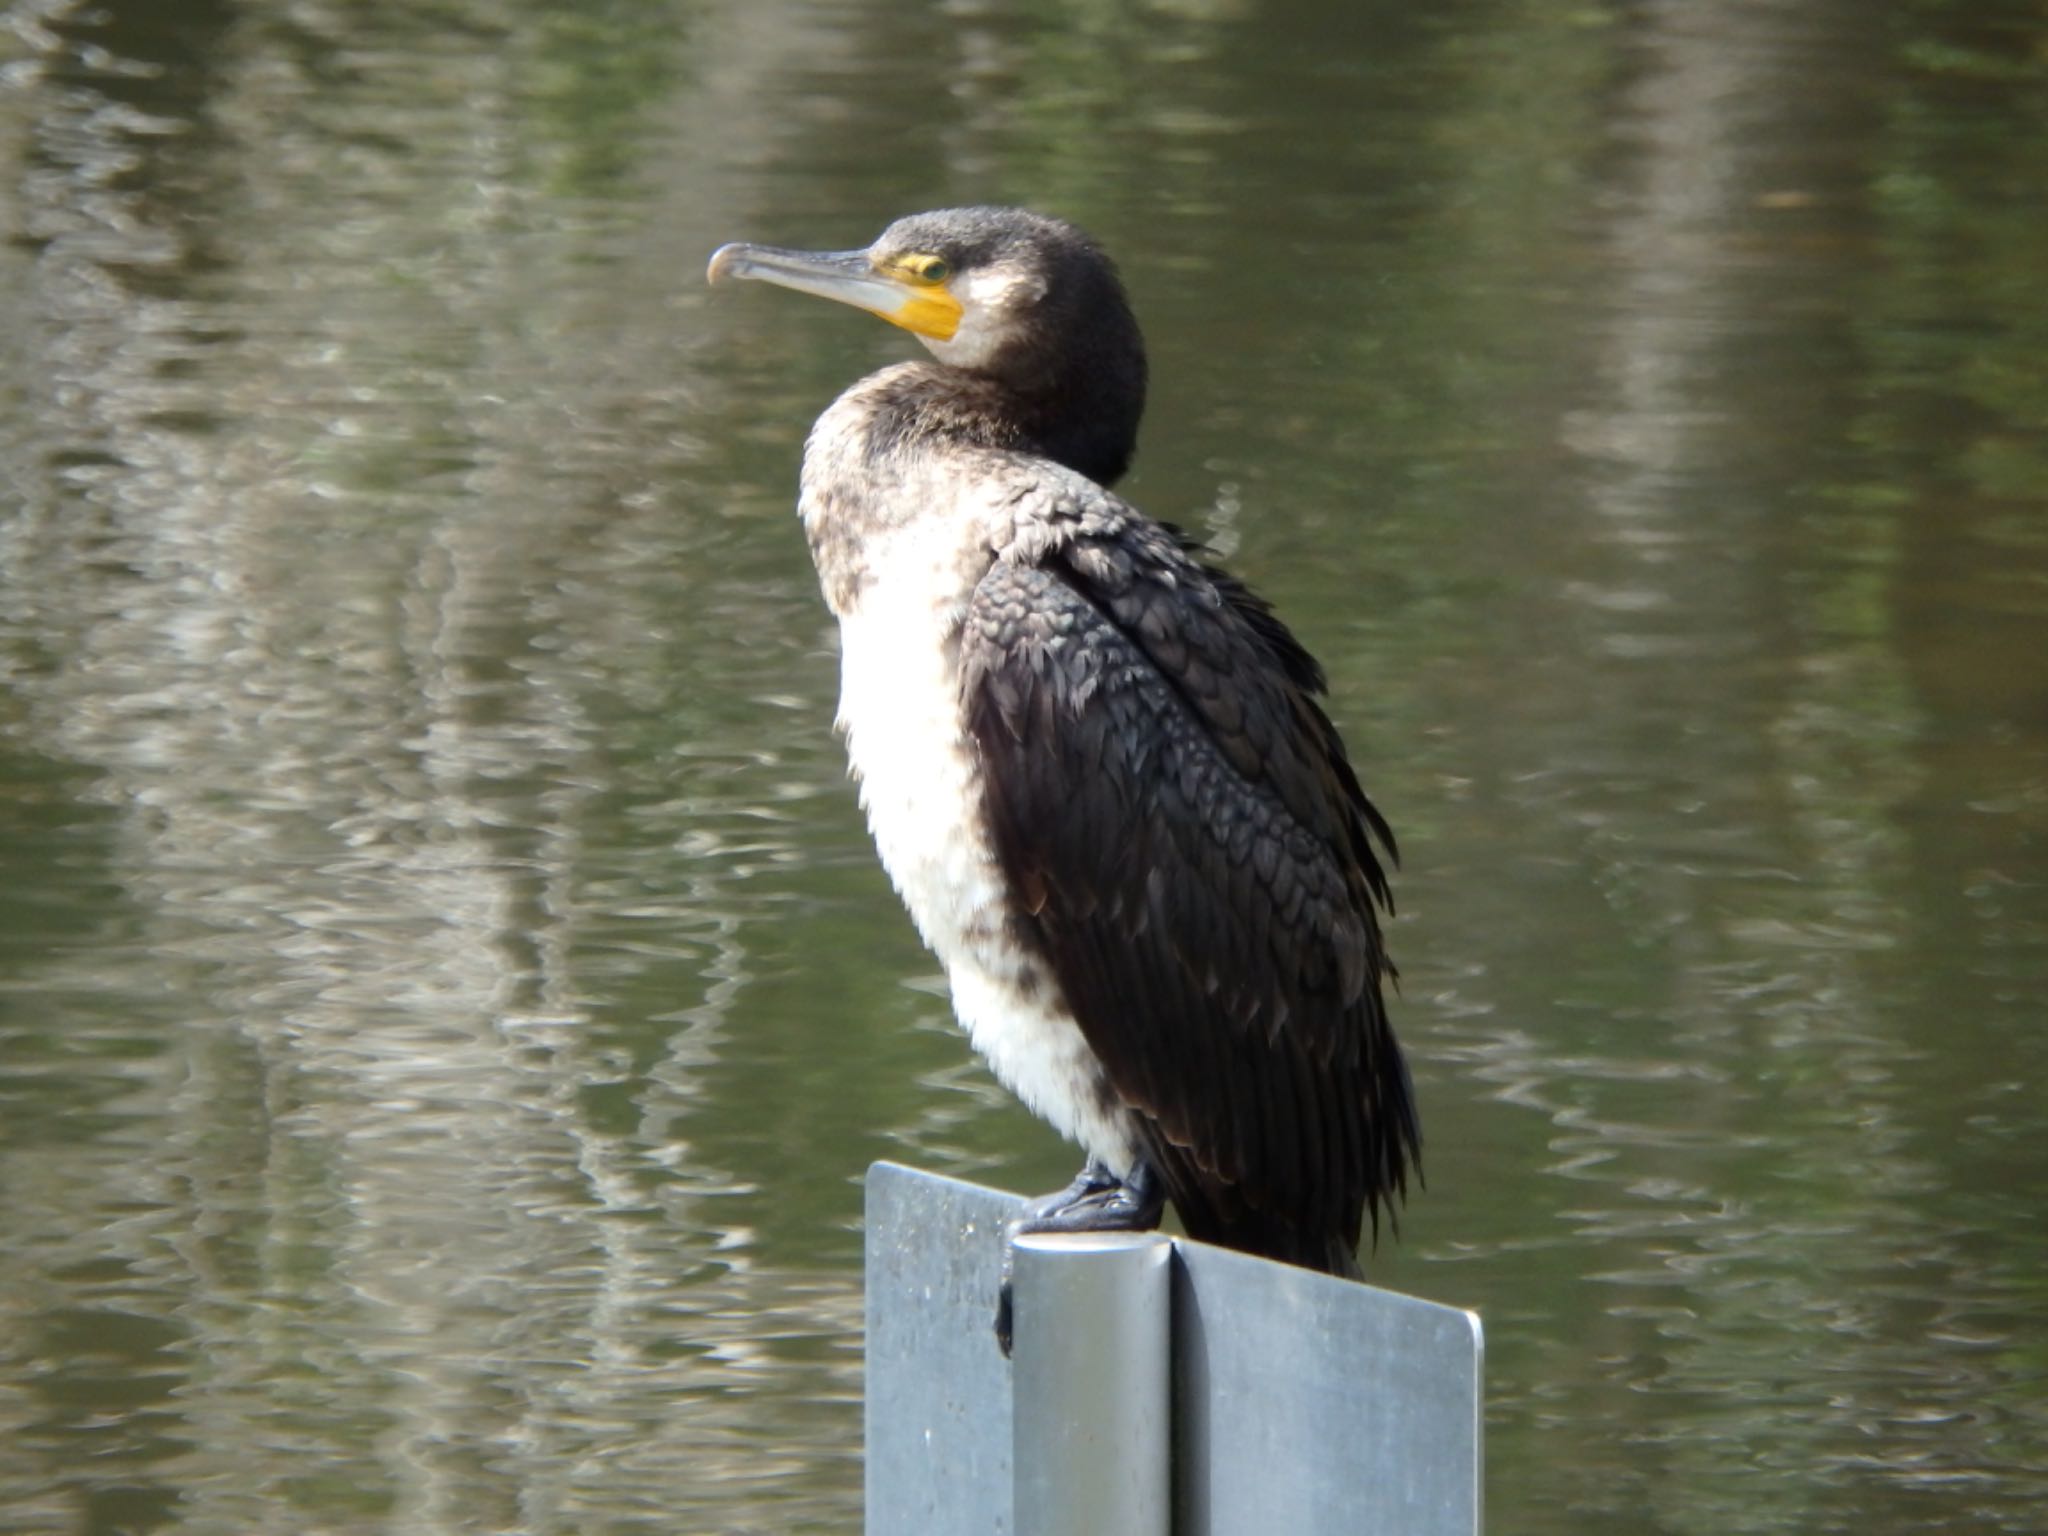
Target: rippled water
column 446, row 998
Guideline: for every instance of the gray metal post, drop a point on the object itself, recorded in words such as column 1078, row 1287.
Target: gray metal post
column 1302, row 1404
column 1092, row 1427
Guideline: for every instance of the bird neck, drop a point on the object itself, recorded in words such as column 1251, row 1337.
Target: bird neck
column 911, row 443
column 1085, row 417
column 1082, row 413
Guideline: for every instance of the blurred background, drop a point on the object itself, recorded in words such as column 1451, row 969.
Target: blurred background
column 447, row 997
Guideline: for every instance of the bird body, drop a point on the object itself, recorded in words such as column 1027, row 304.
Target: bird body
column 1093, row 764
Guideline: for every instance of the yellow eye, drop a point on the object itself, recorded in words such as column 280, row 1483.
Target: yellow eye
column 927, row 269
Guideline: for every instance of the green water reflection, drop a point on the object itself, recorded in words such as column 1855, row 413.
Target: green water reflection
column 446, row 997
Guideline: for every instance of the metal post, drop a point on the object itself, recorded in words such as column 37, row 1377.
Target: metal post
column 1302, row 1404
column 1092, row 1420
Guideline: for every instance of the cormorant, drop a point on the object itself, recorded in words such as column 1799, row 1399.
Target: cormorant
column 1094, row 764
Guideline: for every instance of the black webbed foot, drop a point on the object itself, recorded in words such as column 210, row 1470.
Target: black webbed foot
column 1097, row 1201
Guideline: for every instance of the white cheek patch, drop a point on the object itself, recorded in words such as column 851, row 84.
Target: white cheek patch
column 993, row 300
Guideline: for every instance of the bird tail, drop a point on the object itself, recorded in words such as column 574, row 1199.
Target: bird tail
column 1341, row 1259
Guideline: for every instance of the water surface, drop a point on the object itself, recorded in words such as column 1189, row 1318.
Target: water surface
column 446, row 996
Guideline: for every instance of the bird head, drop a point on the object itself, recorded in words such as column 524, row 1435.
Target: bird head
column 1028, row 304
column 980, row 287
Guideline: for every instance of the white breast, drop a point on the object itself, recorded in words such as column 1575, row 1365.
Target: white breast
column 920, row 784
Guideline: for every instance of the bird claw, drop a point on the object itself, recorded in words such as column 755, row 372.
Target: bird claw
column 1097, row 1201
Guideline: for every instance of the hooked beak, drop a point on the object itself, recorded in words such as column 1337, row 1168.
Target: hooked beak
column 849, row 277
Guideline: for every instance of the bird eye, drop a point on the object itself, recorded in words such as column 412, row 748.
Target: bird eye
column 931, row 269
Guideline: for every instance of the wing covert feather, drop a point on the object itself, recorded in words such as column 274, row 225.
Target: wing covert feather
column 1156, row 766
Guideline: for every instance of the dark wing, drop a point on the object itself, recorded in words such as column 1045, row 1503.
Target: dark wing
column 1196, row 860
